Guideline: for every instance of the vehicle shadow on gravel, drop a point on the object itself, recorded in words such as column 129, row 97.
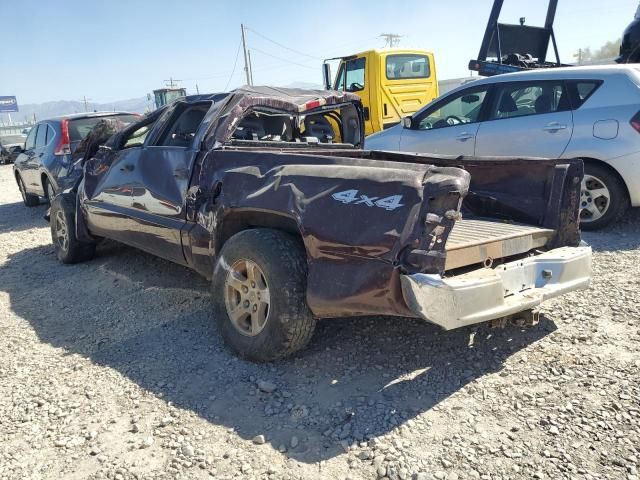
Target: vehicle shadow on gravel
column 149, row 320
column 623, row 235
column 16, row 217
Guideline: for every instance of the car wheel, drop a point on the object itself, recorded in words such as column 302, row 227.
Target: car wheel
column 603, row 198
column 29, row 199
column 48, row 190
column 259, row 295
column 63, row 232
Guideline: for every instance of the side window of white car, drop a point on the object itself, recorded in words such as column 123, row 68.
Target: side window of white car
column 462, row 108
column 529, row 98
column 581, row 90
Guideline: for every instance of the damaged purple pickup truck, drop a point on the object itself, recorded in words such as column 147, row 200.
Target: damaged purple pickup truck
column 268, row 193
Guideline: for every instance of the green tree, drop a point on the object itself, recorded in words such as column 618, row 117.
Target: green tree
column 608, row 51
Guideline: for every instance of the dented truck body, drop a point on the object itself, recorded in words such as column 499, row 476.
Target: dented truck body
column 454, row 241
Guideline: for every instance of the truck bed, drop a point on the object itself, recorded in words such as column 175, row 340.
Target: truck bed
column 475, row 240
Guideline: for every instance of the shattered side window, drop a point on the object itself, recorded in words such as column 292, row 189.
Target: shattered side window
column 137, row 137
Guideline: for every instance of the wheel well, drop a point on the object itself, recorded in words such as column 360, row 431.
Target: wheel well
column 236, row 222
column 611, row 170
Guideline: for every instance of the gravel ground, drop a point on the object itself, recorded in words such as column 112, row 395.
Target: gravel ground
column 112, row 369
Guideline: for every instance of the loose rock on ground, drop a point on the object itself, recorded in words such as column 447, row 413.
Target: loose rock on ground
column 113, row 369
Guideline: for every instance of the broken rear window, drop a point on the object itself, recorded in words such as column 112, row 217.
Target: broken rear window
column 338, row 125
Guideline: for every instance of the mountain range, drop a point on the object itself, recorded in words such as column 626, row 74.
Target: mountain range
column 63, row 107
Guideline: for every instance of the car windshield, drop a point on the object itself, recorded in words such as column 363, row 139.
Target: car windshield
column 80, row 127
column 12, row 139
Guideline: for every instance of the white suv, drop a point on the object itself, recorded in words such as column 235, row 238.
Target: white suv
column 592, row 113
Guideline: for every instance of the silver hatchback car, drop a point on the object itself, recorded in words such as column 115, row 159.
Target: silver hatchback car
column 592, row 113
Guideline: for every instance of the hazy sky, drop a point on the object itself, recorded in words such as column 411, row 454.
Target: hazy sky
column 113, row 50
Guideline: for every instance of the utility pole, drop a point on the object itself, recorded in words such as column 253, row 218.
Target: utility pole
column 250, row 67
column 197, row 89
column 247, row 71
column 84, row 100
column 172, row 82
column 578, row 56
column 391, row 39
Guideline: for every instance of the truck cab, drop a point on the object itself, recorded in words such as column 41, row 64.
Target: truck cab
column 392, row 83
column 164, row 96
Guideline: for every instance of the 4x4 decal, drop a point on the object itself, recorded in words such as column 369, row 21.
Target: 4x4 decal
column 351, row 196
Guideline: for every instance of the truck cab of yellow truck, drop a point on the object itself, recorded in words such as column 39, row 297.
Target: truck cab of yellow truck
column 392, row 83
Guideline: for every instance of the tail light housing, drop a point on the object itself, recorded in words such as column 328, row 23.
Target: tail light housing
column 635, row 122
column 64, row 144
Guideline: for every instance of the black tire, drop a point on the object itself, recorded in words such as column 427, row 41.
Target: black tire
column 29, row 199
column 289, row 324
column 618, row 197
column 49, row 192
column 69, row 250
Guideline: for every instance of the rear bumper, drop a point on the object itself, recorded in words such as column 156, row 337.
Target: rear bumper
column 487, row 294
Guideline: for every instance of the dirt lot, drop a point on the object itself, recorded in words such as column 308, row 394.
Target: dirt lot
column 112, row 369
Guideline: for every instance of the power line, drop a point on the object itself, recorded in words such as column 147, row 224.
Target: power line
column 282, row 46
column 172, row 82
column 235, row 62
column 282, row 59
column 391, row 39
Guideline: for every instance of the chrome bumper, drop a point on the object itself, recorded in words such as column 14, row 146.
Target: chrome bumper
column 487, row 294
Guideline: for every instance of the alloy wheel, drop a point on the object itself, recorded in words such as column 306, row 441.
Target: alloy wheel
column 595, row 199
column 247, row 297
column 61, row 231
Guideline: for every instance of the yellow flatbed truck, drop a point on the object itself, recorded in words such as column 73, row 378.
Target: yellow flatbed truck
column 392, row 83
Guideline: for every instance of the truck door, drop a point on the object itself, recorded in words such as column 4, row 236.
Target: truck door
column 352, row 78
column 407, row 83
column 107, row 185
column 159, row 182
column 527, row 119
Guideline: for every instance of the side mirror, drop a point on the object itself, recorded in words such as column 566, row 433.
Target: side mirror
column 17, row 149
column 407, row 122
column 326, row 75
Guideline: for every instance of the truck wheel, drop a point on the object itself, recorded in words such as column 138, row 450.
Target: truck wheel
column 259, row 295
column 603, row 199
column 63, row 232
column 29, row 199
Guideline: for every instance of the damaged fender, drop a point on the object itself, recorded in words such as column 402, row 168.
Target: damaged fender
column 363, row 223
